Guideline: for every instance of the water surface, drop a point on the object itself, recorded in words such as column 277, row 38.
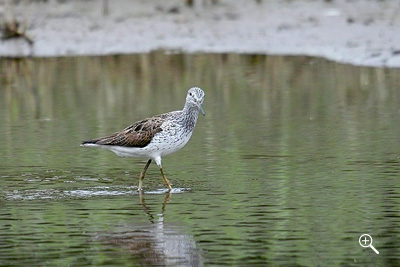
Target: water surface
column 294, row 160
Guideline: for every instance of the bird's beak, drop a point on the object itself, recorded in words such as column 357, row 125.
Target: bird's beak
column 201, row 109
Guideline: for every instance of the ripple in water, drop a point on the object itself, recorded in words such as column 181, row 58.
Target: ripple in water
column 89, row 192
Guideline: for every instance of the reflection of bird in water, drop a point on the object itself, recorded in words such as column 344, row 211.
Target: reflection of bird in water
column 157, row 243
column 155, row 137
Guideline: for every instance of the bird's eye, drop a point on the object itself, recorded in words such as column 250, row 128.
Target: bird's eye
column 190, row 94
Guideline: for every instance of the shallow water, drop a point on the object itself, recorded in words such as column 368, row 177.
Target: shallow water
column 294, row 160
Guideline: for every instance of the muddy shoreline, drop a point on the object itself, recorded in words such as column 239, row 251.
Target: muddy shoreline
column 357, row 32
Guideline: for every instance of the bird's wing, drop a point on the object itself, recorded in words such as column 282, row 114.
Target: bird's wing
column 138, row 134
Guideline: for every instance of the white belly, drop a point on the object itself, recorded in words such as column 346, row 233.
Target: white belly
column 168, row 145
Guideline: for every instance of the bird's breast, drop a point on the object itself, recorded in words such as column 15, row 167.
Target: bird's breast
column 167, row 142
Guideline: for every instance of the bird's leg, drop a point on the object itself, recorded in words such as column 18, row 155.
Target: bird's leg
column 166, row 182
column 142, row 174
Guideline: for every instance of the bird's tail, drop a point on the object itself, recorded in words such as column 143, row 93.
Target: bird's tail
column 89, row 143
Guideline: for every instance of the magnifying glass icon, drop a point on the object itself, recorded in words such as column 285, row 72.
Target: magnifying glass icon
column 365, row 241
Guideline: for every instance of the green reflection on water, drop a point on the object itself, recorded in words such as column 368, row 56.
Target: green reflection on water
column 294, row 160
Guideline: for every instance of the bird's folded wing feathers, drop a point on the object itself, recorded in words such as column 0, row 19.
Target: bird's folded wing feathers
column 138, row 134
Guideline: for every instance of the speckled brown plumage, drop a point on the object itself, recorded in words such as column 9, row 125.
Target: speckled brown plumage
column 138, row 134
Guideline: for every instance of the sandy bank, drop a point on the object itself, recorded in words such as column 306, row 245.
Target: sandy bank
column 354, row 31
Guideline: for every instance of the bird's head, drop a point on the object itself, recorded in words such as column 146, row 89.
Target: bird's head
column 196, row 96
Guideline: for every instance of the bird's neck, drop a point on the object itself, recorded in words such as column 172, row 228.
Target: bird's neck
column 191, row 113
